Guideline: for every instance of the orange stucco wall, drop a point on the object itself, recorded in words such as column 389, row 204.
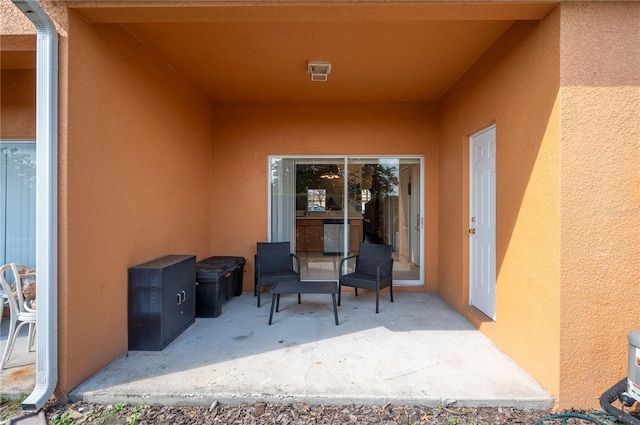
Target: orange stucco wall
column 134, row 183
column 246, row 134
column 514, row 85
column 13, row 20
column 568, row 194
column 148, row 167
column 599, row 195
column 18, row 104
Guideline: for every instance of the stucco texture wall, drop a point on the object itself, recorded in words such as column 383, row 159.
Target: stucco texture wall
column 600, row 195
column 514, row 85
column 246, row 134
column 18, row 104
column 13, row 20
column 134, row 185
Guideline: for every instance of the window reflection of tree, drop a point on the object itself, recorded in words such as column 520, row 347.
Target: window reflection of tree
column 18, row 164
column 318, row 176
column 381, row 181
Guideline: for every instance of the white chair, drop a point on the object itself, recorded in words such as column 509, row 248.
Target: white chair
column 4, row 298
column 20, row 313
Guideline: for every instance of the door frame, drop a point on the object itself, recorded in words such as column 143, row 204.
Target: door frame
column 345, row 158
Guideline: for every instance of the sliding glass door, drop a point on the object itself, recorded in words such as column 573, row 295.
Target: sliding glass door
column 327, row 206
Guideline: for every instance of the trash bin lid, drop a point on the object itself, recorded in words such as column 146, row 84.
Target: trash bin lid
column 221, row 259
column 214, row 268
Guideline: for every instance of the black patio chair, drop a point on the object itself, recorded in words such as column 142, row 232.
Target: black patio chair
column 373, row 271
column 275, row 263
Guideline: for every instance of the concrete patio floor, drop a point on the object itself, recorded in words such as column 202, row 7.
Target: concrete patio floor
column 417, row 350
column 18, row 378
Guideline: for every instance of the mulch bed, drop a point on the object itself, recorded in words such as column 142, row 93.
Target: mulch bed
column 301, row 413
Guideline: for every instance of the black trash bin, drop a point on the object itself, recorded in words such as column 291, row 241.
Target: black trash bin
column 217, row 278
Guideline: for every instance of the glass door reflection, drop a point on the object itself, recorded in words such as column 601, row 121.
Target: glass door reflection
column 320, row 221
column 327, row 207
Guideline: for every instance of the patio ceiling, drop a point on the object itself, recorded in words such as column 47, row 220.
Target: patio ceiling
column 259, row 53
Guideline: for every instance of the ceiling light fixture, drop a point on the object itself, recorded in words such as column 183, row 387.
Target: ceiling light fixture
column 319, row 70
column 330, row 175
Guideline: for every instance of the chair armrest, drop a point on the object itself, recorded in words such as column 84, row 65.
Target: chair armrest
column 382, row 264
column 27, row 308
column 297, row 270
column 342, row 263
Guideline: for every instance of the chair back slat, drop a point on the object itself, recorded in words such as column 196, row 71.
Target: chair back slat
column 274, row 256
column 7, row 288
column 370, row 256
column 25, row 295
column 14, row 288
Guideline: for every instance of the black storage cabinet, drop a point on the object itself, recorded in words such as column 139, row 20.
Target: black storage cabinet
column 161, row 301
column 217, row 278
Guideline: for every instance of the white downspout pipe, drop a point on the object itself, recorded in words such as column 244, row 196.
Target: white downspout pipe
column 46, row 204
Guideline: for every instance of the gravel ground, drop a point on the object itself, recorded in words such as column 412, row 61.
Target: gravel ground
column 300, row 413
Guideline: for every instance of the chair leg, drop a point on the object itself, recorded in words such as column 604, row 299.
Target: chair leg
column 5, row 354
column 339, row 293
column 273, row 302
column 356, row 291
column 391, row 291
column 258, row 291
column 377, row 299
column 11, row 340
column 32, row 337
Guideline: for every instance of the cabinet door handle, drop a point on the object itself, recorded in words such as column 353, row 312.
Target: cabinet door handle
column 184, row 296
column 179, row 299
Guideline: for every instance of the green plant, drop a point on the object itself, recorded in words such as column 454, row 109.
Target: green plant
column 64, row 419
column 10, row 406
column 454, row 421
column 134, row 418
column 120, row 406
column 103, row 417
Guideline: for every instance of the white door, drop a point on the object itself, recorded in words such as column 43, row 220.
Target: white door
column 482, row 221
